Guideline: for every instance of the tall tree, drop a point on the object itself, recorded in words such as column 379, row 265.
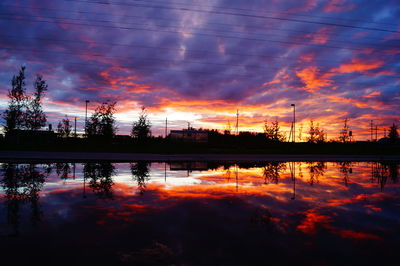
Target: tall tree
column 393, row 134
column 35, row 117
column 316, row 134
column 141, row 127
column 102, row 122
column 272, row 131
column 14, row 116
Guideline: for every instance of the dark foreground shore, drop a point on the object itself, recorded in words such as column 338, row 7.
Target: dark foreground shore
column 21, row 156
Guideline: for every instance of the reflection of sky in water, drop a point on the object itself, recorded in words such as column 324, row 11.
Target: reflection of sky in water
column 329, row 201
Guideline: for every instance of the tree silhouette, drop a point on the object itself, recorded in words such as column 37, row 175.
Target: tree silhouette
column 272, row 132
column 102, row 122
column 35, row 117
column 316, row 134
column 64, row 127
column 25, row 112
column 345, row 133
column 393, row 134
column 14, row 116
column 141, row 128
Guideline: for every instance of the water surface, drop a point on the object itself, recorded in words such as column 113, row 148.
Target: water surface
column 187, row 213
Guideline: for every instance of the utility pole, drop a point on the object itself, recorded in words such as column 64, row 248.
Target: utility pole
column 376, row 133
column 292, row 166
column 75, row 127
column 166, row 127
column 294, row 122
column 237, row 122
column 87, row 101
column 372, row 125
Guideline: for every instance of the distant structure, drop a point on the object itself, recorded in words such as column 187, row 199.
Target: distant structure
column 188, row 166
column 190, row 135
column 40, row 137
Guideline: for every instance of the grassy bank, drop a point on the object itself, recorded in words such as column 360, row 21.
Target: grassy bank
column 162, row 146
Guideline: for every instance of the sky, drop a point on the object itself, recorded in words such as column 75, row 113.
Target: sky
column 201, row 61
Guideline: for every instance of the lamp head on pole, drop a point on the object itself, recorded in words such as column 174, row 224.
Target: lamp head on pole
column 292, row 104
column 87, row 101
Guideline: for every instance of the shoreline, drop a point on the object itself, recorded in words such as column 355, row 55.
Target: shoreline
column 32, row 156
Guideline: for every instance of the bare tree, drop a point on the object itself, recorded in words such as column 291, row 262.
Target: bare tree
column 64, row 127
column 300, row 137
column 345, row 132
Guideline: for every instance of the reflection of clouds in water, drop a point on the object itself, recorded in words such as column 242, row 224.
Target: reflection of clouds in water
column 313, row 180
column 173, row 181
column 341, row 204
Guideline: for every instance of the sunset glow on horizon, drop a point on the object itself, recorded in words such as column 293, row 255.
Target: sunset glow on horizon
column 201, row 61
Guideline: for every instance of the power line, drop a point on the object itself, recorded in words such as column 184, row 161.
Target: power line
column 200, row 34
column 169, row 20
column 235, row 14
column 314, row 35
column 280, row 12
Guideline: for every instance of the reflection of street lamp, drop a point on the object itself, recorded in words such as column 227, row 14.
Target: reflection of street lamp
column 87, row 101
column 294, row 122
column 292, row 166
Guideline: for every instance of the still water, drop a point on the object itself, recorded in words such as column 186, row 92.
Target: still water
column 182, row 213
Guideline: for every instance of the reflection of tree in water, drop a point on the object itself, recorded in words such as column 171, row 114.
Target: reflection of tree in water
column 272, row 171
column 22, row 184
column 315, row 170
column 140, row 173
column 345, row 168
column 100, row 178
column 48, row 168
column 382, row 171
column 63, row 170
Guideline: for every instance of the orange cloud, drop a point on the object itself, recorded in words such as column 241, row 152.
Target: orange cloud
column 321, row 36
column 276, row 81
column 312, row 79
column 372, row 94
column 357, row 235
column 312, row 221
column 357, row 65
column 305, row 6
column 307, row 57
column 338, row 6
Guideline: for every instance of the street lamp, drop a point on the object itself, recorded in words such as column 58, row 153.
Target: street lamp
column 294, row 122
column 87, row 101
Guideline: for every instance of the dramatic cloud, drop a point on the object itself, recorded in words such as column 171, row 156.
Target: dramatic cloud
column 200, row 62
